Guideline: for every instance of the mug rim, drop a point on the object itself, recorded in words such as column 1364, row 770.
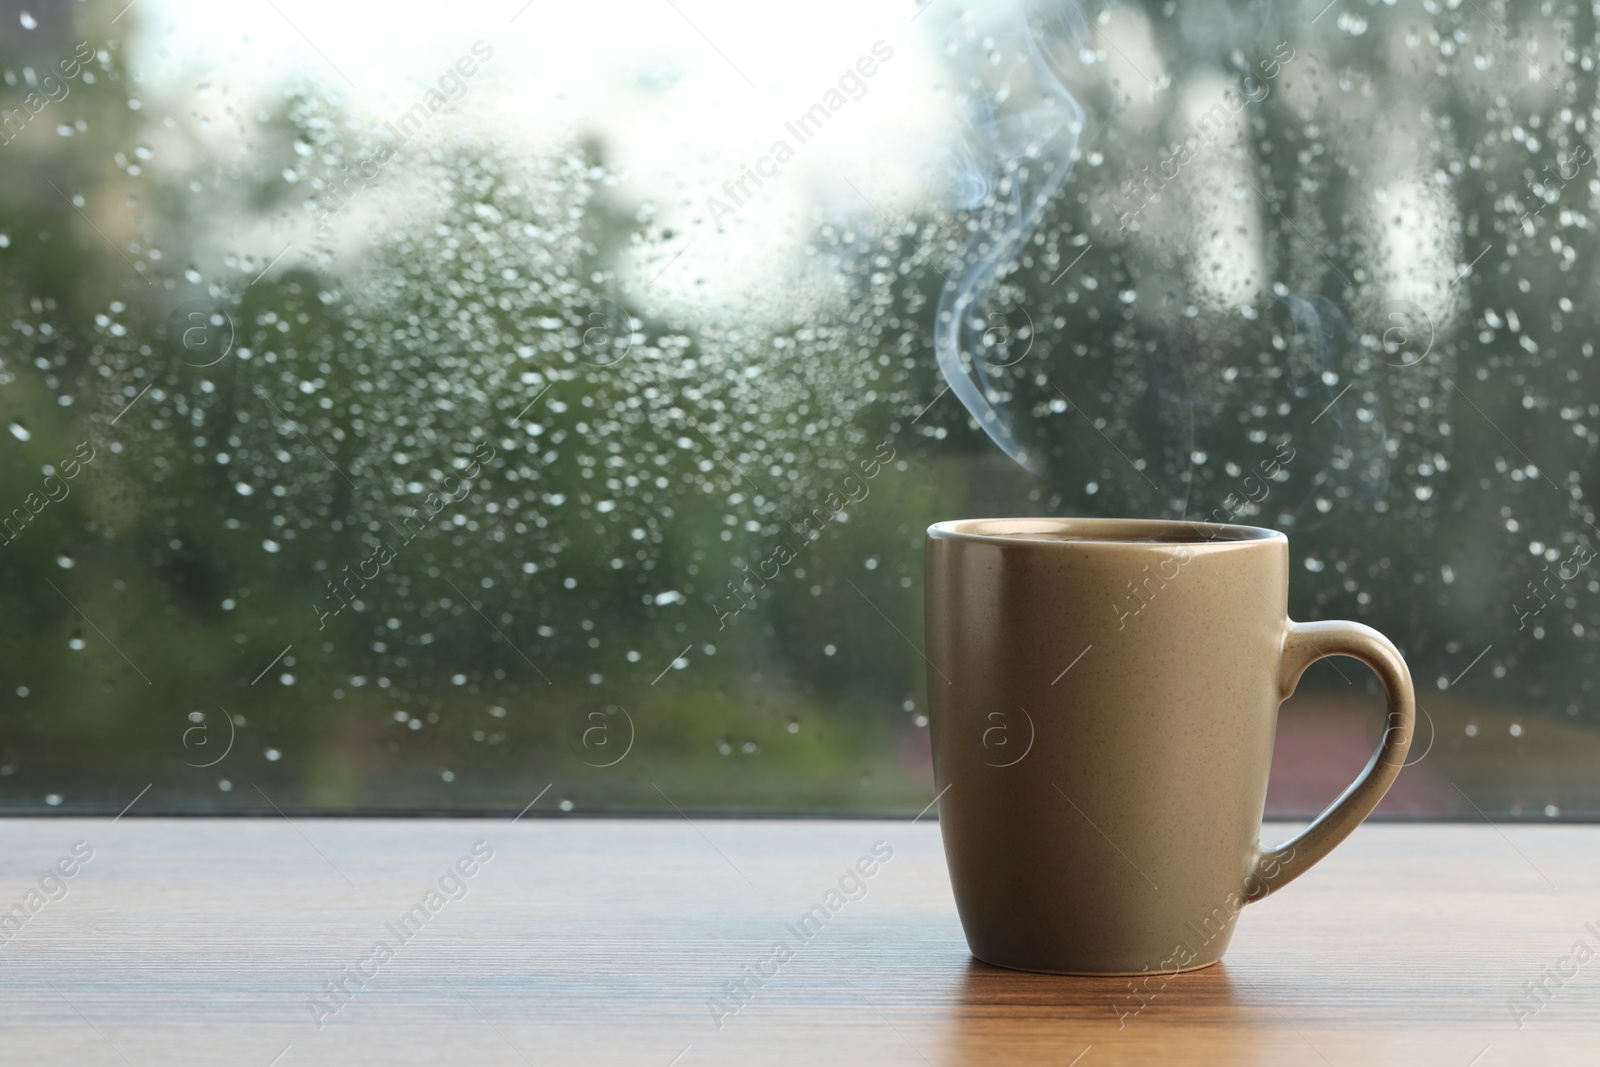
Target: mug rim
column 1113, row 533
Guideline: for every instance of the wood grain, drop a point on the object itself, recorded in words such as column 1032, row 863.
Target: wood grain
column 204, row 941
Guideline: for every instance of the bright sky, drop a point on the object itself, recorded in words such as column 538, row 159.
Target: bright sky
column 683, row 95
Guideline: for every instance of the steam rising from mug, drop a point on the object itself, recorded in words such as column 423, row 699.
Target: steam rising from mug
column 1025, row 127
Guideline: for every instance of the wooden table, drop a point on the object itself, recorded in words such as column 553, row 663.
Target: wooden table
column 213, row 941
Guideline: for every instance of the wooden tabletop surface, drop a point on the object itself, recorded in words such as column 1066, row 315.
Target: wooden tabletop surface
column 264, row 941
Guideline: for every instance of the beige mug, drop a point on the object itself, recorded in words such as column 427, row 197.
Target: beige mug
column 1104, row 696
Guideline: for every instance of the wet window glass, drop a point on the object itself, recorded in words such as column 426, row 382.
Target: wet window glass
column 479, row 405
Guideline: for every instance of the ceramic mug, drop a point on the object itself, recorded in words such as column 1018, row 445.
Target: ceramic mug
column 1104, row 696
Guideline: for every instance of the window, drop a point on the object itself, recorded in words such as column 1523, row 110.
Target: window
column 410, row 413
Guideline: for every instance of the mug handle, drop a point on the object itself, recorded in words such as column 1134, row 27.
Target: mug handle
column 1304, row 643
